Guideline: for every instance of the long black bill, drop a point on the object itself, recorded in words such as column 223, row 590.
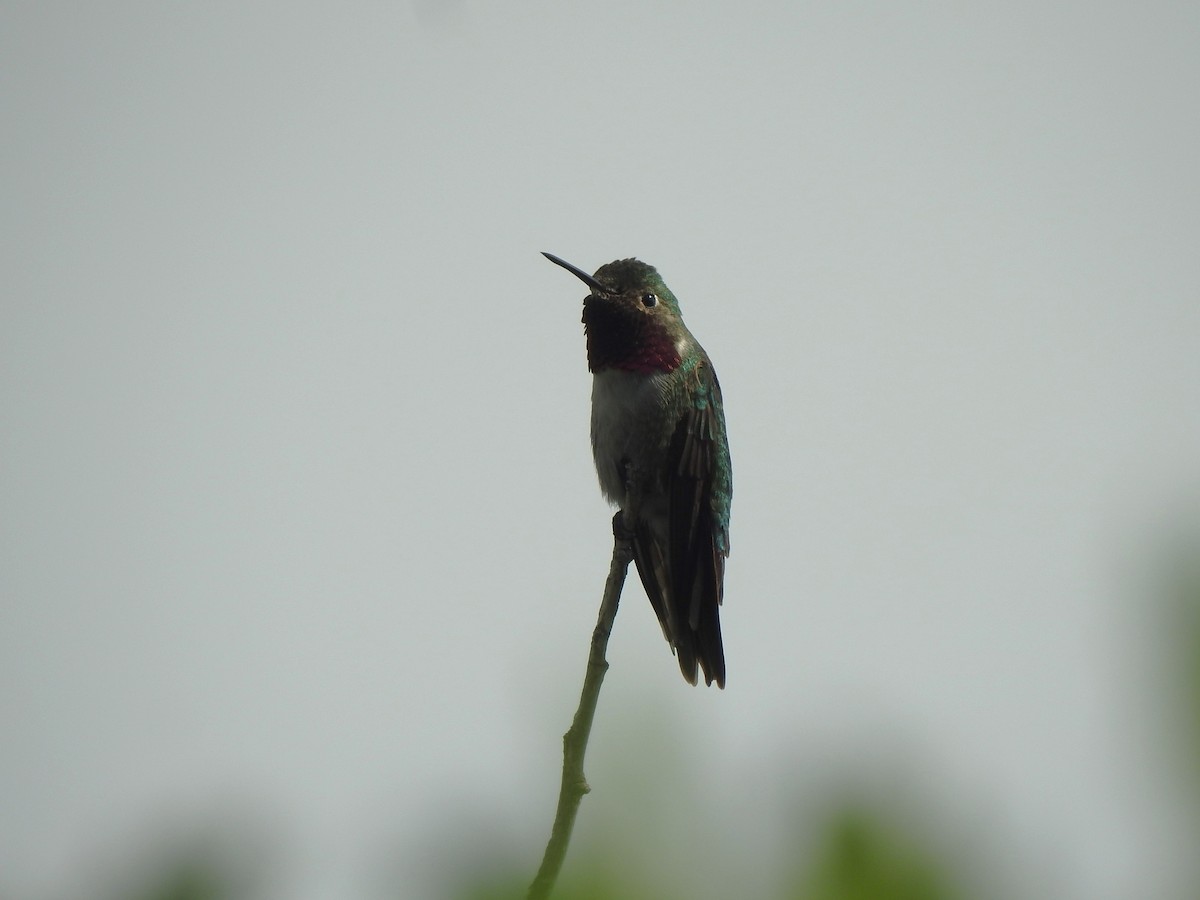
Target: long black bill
column 578, row 273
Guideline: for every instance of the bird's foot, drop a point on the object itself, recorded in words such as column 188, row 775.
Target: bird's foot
column 622, row 530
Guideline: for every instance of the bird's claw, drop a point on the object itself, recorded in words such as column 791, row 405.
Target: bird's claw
column 621, row 531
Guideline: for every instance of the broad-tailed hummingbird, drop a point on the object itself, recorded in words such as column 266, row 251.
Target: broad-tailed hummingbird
column 659, row 443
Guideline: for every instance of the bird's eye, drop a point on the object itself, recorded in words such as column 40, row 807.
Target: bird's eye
column 649, row 300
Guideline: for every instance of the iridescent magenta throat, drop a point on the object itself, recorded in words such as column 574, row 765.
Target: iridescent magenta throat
column 619, row 340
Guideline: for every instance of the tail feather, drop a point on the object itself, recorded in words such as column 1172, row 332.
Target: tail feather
column 687, row 612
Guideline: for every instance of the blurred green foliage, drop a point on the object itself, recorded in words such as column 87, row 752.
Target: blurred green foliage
column 192, row 879
column 866, row 858
column 862, row 855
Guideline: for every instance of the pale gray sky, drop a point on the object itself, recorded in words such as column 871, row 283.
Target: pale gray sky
column 298, row 519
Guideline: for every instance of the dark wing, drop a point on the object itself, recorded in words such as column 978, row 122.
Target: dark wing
column 650, row 556
column 699, row 494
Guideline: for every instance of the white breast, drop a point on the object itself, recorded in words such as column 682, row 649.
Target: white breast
column 625, row 406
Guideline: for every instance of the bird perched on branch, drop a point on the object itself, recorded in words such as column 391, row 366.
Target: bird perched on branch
column 659, row 442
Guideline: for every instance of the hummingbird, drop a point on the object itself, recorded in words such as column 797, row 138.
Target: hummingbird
column 660, row 448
